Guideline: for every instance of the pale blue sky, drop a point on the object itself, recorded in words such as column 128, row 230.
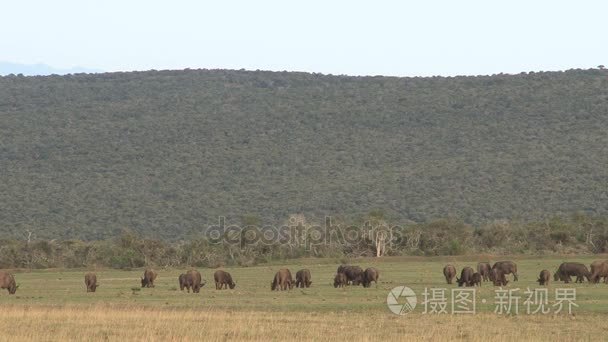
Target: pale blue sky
column 404, row 38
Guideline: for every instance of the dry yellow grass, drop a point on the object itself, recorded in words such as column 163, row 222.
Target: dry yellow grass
column 118, row 323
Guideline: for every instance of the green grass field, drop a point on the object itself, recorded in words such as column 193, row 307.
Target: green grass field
column 53, row 305
column 60, row 287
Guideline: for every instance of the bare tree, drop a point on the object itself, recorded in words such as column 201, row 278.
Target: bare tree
column 380, row 243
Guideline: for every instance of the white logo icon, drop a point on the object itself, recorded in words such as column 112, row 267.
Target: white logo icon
column 401, row 300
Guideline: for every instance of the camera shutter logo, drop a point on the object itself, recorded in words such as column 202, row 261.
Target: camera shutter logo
column 401, row 300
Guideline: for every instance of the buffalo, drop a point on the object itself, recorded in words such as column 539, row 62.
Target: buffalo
column 599, row 270
column 303, row 278
column 506, row 267
column 568, row 269
column 466, row 277
column 354, row 274
column 497, row 277
column 449, row 272
column 369, row 275
column 191, row 280
column 483, row 268
column 90, row 280
column 340, row 280
column 282, row 280
column 476, row 279
column 223, row 279
column 148, row 279
column 196, row 281
column 7, row 281
column 544, row 277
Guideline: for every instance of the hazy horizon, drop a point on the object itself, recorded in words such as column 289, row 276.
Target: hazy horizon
column 43, row 69
column 390, row 38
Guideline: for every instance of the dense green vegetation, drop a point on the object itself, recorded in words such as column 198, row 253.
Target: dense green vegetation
column 164, row 153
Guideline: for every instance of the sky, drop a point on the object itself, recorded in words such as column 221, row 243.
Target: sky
column 399, row 38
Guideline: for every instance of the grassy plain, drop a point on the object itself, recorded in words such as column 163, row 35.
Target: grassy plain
column 53, row 305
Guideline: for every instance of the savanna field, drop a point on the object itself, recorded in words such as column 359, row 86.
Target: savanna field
column 53, row 305
column 427, row 170
column 109, row 172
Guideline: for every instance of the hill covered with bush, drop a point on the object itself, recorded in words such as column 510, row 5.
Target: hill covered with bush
column 164, row 153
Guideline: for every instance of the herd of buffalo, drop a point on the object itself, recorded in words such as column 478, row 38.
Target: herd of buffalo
column 192, row 279
column 497, row 273
column 355, row 275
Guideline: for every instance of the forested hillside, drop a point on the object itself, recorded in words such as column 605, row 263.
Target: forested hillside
column 164, row 153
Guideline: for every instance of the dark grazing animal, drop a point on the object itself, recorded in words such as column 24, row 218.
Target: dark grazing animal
column 7, row 281
column 354, row 274
column 466, row 277
column 507, row 267
column 282, row 280
column 568, row 269
column 483, row 268
column 599, row 270
column 90, row 280
column 194, row 281
column 544, row 277
column 340, row 280
column 497, row 277
column 476, row 279
column 449, row 272
column 303, row 278
column 148, row 279
column 191, row 280
column 223, row 279
column 370, row 274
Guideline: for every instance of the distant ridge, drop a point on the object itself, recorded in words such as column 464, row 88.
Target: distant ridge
column 165, row 153
column 39, row 69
